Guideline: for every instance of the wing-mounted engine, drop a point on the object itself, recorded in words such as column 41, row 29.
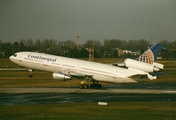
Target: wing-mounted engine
column 61, row 76
column 138, row 65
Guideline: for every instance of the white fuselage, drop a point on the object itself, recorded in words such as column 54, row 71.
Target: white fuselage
column 58, row 64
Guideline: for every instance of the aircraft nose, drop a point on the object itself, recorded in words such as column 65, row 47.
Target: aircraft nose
column 11, row 58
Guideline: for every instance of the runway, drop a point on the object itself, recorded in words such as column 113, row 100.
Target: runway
column 77, row 90
column 17, row 96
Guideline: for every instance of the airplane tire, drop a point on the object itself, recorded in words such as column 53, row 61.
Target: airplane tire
column 81, row 86
column 99, row 86
column 92, row 86
column 30, row 76
column 86, row 86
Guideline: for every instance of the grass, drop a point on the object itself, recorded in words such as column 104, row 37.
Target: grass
column 91, row 111
column 6, row 63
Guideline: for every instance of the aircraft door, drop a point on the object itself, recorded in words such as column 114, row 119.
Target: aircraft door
column 20, row 58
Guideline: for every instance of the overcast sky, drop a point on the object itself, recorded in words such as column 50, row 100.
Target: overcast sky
column 91, row 19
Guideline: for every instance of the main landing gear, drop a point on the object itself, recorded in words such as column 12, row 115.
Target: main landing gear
column 84, row 85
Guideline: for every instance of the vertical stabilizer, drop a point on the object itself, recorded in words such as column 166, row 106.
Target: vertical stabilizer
column 151, row 54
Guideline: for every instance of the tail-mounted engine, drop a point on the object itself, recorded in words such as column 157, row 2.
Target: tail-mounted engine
column 60, row 76
column 155, row 67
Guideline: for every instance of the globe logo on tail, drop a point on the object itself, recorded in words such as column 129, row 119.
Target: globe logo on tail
column 146, row 57
column 151, row 54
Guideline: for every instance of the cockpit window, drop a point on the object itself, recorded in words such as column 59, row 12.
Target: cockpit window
column 14, row 55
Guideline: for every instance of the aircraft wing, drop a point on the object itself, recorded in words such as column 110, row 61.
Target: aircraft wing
column 158, row 73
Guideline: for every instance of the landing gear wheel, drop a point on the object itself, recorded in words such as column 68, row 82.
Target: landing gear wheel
column 84, row 86
column 81, row 86
column 30, row 76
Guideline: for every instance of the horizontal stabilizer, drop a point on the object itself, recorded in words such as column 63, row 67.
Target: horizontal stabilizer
column 158, row 73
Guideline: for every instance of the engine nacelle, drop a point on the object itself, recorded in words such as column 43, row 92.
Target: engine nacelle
column 130, row 63
column 60, row 76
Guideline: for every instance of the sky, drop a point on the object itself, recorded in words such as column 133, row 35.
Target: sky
column 153, row 20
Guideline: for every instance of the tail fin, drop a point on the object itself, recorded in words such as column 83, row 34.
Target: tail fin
column 151, row 54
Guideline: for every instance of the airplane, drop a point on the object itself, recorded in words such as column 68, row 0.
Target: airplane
column 142, row 69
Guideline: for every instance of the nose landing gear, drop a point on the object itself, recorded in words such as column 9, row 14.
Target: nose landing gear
column 30, row 75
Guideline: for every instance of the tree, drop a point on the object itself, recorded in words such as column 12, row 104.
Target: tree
column 70, row 44
column 38, row 44
column 22, row 42
column 29, row 43
column 114, row 43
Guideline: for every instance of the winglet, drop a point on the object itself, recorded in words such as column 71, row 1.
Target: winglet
column 151, row 54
